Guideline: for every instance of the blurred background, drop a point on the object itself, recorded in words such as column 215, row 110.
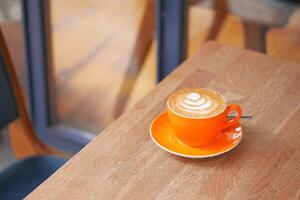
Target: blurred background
column 101, row 57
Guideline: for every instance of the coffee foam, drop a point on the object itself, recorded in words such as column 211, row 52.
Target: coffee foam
column 197, row 103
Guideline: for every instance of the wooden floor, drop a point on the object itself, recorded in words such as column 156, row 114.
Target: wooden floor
column 94, row 44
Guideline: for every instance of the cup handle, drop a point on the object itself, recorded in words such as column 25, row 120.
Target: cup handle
column 235, row 120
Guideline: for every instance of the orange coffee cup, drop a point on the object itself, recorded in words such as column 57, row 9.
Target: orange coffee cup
column 200, row 131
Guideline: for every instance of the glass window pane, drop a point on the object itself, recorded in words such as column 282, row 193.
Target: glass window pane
column 12, row 28
column 206, row 23
column 255, row 25
column 103, row 56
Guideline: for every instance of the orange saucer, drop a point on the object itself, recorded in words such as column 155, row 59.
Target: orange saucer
column 163, row 136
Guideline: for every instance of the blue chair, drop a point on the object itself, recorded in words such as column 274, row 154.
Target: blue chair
column 36, row 163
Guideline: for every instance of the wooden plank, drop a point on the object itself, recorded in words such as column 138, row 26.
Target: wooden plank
column 123, row 162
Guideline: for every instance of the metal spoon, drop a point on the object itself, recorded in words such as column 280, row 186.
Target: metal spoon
column 242, row 117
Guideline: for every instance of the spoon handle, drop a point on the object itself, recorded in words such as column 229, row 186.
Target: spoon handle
column 242, row 117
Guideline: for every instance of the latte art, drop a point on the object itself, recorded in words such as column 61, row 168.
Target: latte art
column 197, row 102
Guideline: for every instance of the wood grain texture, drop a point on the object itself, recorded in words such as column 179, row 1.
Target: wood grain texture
column 123, row 163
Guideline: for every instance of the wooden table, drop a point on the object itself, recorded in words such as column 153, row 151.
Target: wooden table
column 123, row 162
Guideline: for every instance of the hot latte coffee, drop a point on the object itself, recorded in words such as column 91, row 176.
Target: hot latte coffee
column 197, row 103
